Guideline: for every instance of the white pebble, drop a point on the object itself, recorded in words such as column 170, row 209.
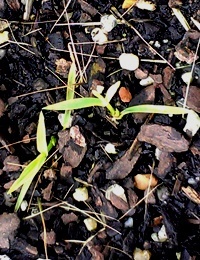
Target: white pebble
column 146, row 82
column 108, row 22
column 162, row 235
column 24, row 205
column 110, row 148
column 192, row 123
column 154, row 236
column 128, row 223
column 4, row 257
column 157, row 44
column 187, row 77
column 99, row 36
column 129, row 61
column 157, row 154
column 2, row 53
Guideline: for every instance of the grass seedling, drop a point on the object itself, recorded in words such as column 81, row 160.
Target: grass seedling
column 25, row 179
column 101, row 101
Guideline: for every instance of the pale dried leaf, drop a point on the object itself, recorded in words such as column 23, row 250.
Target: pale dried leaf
column 128, row 3
column 191, row 194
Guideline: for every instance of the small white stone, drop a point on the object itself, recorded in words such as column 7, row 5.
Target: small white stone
column 2, row 53
column 192, row 123
column 129, row 61
column 99, row 36
column 80, row 194
column 157, row 154
column 90, row 224
column 108, row 22
column 128, row 223
column 162, row 235
column 146, row 82
column 110, row 148
column 145, row 5
column 24, row 205
column 165, row 41
column 154, row 236
column 157, row 44
column 4, row 257
column 187, row 77
column 117, row 190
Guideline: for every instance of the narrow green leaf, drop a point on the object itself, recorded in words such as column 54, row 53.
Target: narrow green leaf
column 69, row 95
column 29, row 172
column 71, row 82
column 23, row 193
column 41, row 135
column 76, row 103
column 51, row 143
column 155, row 109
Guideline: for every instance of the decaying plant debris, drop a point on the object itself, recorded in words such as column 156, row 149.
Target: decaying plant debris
column 84, row 200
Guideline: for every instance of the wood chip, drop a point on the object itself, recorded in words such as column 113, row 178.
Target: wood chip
column 123, row 166
column 166, row 138
column 193, row 99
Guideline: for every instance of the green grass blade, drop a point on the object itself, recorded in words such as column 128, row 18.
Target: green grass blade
column 41, row 135
column 76, row 103
column 70, row 94
column 71, row 82
column 155, row 109
column 23, row 193
column 51, row 143
column 29, row 172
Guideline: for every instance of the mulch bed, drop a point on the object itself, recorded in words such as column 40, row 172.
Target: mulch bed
column 157, row 221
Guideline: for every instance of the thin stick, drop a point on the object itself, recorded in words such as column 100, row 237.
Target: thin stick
column 44, row 228
column 68, row 3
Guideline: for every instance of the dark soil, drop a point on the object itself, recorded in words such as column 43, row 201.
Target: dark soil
column 30, row 80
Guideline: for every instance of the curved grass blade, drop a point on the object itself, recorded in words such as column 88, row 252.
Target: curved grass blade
column 29, row 172
column 112, row 91
column 155, row 109
column 22, row 193
column 76, row 103
column 70, row 94
column 41, row 135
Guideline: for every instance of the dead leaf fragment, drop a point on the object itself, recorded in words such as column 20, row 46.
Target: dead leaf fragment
column 47, row 192
column 185, row 54
column 13, row 4
column 125, row 95
column 11, row 164
column 191, row 194
column 128, row 3
column 50, row 237
column 142, row 181
column 62, row 67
